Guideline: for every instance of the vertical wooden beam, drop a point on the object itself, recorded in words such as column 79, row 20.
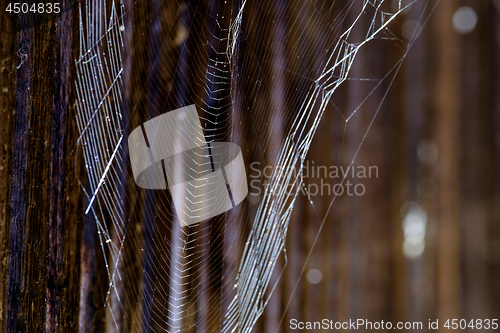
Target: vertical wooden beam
column 66, row 215
column 494, row 226
column 44, row 225
column 477, row 142
column 31, row 177
column 137, row 264
column 446, row 136
column 8, row 56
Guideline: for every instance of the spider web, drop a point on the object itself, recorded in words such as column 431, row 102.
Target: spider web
column 216, row 275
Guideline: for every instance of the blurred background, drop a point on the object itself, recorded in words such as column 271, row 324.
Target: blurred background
column 419, row 104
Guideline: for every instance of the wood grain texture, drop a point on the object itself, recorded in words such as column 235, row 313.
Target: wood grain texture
column 53, row 276
column 8, row 58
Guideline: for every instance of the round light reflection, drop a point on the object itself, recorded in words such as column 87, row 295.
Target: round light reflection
column 464, row 20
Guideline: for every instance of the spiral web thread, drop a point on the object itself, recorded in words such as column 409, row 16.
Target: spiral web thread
column 99, row 87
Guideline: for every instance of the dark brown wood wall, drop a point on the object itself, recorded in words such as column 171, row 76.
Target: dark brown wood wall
column 52, row 273
column 41, row 166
